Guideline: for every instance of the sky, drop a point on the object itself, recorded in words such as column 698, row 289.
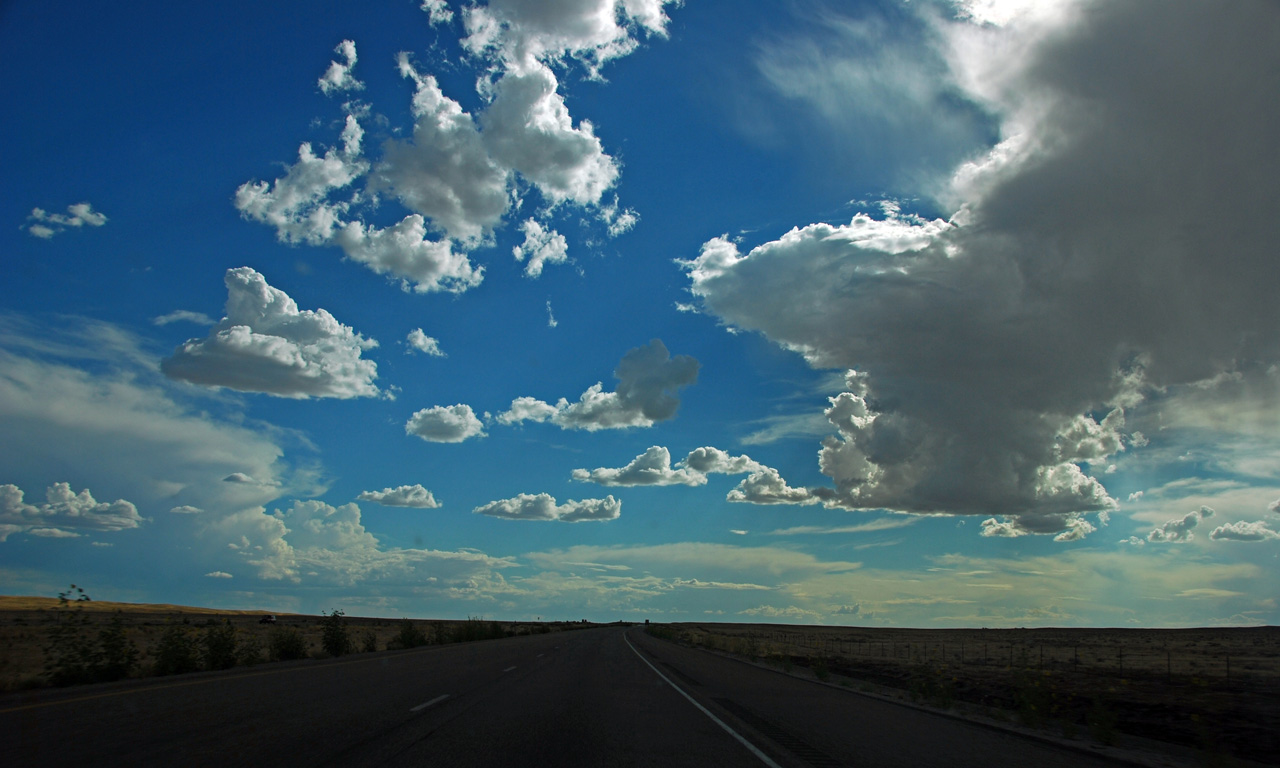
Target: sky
column 934, row 313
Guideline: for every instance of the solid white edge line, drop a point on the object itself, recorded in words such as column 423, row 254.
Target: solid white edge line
column 752, row 747
column 436, row 700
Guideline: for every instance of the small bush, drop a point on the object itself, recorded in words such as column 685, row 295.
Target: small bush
column 932, row 685
column 116, row 655
column 661, row 631
column 219, row 649
column 820, row 670
column 177, row 651
column 368, row 641
column 475, row 628
column 68, row 656
column 286, row 644
column 72, row 658
column 249, row 652
column 409, row 635
column 334, row 637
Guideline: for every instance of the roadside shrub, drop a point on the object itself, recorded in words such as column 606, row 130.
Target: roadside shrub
column 334, row 637
column 475, row 628
column 286, row 644
column 932, row 685
column 71, row 657
column 368, row 641
column 249, row 652
column 220, row 646
column 820, row 670
column 68, row 656
column 662, row 632
column 409, row 635
column 116, row 655
column 177, row 652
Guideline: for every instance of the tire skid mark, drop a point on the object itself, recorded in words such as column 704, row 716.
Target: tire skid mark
column 780, row 736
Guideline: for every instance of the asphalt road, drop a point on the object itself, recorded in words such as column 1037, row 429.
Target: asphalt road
column 599, row 697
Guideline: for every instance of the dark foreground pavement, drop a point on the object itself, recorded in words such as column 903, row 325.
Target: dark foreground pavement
column 596, row 697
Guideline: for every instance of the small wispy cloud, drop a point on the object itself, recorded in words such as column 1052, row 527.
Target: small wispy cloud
column 881, row 524
column 183, row 316
column 45, row 225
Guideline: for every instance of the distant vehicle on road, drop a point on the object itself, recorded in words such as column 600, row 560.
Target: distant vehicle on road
column 268, row 619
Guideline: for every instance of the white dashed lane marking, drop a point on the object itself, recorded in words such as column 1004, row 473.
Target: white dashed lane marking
column 424, row 705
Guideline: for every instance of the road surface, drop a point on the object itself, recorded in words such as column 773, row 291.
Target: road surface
column 599, row 697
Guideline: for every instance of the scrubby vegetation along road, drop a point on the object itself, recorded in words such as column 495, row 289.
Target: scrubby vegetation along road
column 1212, row 689
column 72, row 640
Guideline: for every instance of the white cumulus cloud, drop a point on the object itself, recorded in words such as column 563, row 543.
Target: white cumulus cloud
column 543, row 506
column 338, row 77
column 653, row 467
column 1180, row 529
column 1242, row 530
column 649, row 381
column 459, row 174
column 592, row 31
column 414, row 496
column 437, row 11
column 421, row 342
column 766, row 486
column 62, row 513
column 266, row 344
column 445, row 424
column 297, row 204
column 541, row 246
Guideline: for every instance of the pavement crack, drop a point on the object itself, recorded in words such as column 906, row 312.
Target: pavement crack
column 681, row 675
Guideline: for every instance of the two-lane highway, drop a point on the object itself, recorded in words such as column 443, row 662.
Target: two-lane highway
column 600, row 697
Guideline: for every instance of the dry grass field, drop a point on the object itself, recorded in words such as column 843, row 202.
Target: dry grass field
column 1217, row 690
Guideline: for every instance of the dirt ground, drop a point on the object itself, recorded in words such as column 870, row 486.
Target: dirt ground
column 1216, row 690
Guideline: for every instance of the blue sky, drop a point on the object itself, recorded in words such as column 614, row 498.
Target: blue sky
column 887, row 313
